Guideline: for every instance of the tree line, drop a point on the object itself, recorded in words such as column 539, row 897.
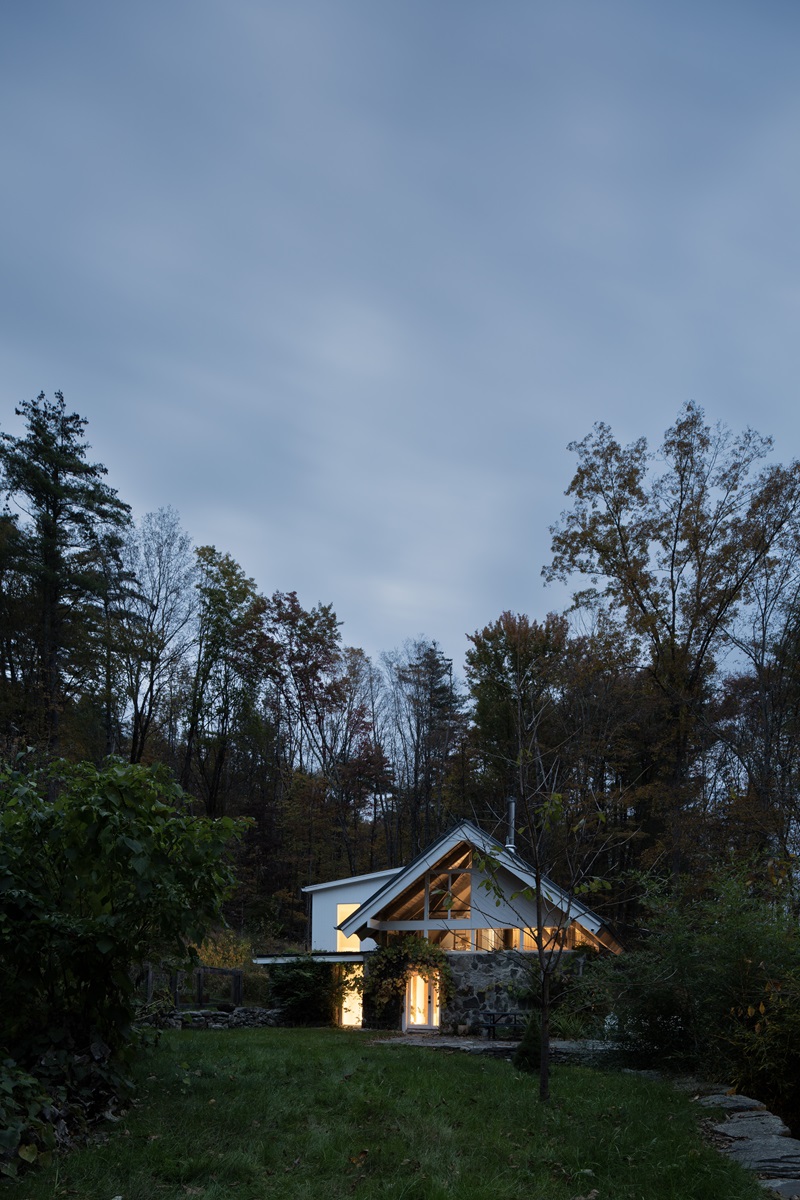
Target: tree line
column 662, row 712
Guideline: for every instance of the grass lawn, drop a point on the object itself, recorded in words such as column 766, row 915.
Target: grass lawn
column 319, row 1114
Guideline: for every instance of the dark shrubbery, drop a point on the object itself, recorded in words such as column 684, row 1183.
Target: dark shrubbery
column 714, row 986
column 256, row 988
column 111, row 872
column 528, row 1054
column 27, row 1112
column 306, row 992
column 226, row 948
column 764, row 1045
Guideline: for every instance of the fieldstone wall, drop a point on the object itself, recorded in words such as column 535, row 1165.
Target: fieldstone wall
column 485, row 981
column 490, row 981
column 206, row 1018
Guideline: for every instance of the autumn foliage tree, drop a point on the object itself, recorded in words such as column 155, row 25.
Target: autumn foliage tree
column 667, row 699
column 232, row 657
column 544, row 731
column 673, row 541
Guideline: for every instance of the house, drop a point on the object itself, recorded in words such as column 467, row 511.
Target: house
column 472, row 897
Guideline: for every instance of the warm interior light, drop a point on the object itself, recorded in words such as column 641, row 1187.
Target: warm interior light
column 422, row 1003
column 352, row 1008
column 554, row 937
column 343, row 911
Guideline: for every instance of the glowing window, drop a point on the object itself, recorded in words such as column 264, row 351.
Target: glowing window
column 459, row 939
column 489, row 939
column 343, row 911
column 351, row 1014
column 553, row 938
column 449, row 894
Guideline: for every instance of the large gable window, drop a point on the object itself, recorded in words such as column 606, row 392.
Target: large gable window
column 449, row 895
column 448, row 887
column 444, row 893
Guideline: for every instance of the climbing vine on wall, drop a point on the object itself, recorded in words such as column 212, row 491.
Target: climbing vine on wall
column 390, row 968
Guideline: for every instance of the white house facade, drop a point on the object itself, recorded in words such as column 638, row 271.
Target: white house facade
column 476, row 900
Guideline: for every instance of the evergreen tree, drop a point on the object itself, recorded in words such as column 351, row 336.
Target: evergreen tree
column 65, row 564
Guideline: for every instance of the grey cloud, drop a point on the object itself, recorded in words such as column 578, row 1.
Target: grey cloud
column 340, row 282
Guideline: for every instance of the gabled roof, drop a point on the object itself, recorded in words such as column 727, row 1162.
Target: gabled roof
column 490, row 848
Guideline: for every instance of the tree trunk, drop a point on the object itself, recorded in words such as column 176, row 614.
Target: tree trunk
column 544, row 1066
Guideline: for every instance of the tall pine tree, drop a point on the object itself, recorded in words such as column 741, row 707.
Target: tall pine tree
column 68, row 535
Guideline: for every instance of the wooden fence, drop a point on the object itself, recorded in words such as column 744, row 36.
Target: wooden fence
column 151, row 977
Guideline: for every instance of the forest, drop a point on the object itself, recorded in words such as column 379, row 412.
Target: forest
column 661, row 711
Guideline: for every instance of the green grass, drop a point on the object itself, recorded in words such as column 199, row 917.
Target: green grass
column 321, row 1114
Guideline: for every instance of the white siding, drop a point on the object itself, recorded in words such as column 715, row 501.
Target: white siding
column 326, row 898
column 517, row 913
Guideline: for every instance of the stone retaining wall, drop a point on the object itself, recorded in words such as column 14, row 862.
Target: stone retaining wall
column 491, row 981
column 205, row 1018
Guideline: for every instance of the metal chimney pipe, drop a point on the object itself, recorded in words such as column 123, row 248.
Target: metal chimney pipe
column 512, row 820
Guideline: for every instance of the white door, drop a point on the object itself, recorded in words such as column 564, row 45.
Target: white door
column 422, row 1004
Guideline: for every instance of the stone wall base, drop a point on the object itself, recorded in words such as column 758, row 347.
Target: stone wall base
column 205, row 1018
column 497, row 981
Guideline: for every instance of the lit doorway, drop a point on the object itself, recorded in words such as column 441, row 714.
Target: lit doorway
column 421, row 1011
column 351, row 1013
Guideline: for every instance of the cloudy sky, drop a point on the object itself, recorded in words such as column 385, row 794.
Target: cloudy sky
column 340, row 279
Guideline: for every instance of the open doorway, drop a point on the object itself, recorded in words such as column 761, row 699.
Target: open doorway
column 421, row 1012
column 351, row 1012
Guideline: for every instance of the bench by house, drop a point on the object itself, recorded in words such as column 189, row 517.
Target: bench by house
column 515, row 1021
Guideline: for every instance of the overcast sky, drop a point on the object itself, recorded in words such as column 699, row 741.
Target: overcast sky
column 340, row 279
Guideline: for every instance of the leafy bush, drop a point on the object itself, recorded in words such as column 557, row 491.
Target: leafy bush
column 571, row 1026
column 109, row 873
column 714, row 986
column 25, row 1132
column 307, row 992
column 528, row 1054
column 225, row 948
column 764, row 1046
column 256, row 988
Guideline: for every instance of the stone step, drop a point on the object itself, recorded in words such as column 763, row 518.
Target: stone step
column 771, row 1157
column 787, row 1189
column 752, row 1125
column 731, row 1102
